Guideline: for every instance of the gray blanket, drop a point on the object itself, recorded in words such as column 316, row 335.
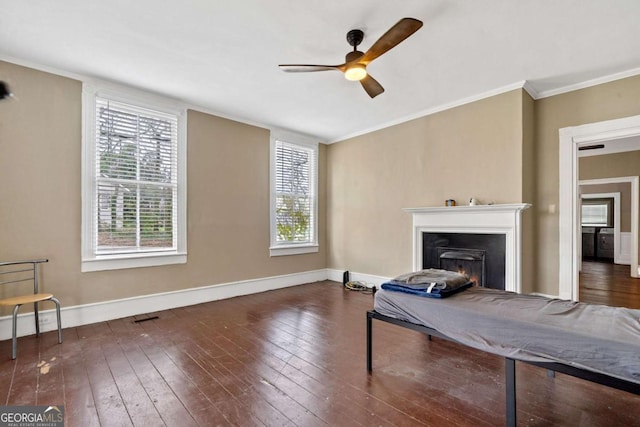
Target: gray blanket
column 527, row 327
column 442, row 278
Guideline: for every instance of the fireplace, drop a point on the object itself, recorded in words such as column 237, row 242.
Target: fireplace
column 458, row 231
column 480, row 256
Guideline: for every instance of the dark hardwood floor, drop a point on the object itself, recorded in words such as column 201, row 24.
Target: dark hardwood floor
column 609, row 284
column 291, row 357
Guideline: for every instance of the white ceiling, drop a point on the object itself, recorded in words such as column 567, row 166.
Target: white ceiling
column 222, row 55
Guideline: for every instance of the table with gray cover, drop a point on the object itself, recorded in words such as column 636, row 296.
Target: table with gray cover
column 595, row 342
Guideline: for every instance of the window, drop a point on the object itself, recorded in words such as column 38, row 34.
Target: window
column 597, row 212
column 134, row 201
column 293, row 194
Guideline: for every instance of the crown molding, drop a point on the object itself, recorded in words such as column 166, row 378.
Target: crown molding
column 527, row 85
column 589, row 83
column 434, row 110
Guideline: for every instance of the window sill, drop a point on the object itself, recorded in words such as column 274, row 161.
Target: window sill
column 117, row 262
column 283, row 250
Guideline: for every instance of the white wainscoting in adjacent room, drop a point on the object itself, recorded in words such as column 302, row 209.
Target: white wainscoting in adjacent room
column 625, row 248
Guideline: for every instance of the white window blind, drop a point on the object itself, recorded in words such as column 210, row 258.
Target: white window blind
column 595, row 214
column 135, row 179
column 295, row 167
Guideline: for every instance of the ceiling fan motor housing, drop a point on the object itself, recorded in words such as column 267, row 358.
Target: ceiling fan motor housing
column 353, row 55
column 355, row 37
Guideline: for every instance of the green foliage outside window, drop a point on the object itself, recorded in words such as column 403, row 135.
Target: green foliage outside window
column 293, row 218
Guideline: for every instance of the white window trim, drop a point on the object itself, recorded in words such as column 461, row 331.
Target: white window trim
column 90, row 261
column 283, row 249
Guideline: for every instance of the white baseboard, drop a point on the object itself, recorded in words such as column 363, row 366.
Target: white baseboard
column 108, row 310
column 336, row 276
column 545, row 295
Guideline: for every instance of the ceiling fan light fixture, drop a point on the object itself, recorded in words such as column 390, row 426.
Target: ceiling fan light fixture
column 356, row 62
column 355, row 72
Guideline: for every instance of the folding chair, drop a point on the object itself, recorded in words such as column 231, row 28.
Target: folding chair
column 25, row 271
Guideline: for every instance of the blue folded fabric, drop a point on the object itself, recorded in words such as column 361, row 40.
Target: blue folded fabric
column 437, row 291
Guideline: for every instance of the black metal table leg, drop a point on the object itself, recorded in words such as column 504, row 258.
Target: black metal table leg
column 510, row 366
column 510, row 380
column 369, row 336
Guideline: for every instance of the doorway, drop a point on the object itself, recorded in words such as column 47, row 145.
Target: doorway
column 619, row 132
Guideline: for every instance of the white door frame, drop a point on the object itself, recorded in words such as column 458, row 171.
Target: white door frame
column 570, row 139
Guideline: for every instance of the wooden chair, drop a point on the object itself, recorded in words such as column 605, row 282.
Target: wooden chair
column 25, row 271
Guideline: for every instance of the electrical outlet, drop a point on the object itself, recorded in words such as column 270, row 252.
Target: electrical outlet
column 44, row 320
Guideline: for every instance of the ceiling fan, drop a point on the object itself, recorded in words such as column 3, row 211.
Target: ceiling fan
column 355, row 65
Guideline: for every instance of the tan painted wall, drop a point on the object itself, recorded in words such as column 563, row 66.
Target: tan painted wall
column 499, row 149
column 474, row 150
column 610, row 165
column 412, row 165
column 228, row 198
column 608, row 101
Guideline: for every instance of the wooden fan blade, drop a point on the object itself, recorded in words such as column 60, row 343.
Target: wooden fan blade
column 308, row 68
column 371, row 86
column 396, row 34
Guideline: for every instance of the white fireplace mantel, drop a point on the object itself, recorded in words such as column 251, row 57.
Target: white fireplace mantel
column 487, row 219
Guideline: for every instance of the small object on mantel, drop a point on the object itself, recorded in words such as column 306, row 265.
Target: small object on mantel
column 473, row 201
column 450, row 202
column 4, row 91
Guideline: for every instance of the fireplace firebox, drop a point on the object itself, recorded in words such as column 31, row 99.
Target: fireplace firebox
column 479, row 256
column 470, row 262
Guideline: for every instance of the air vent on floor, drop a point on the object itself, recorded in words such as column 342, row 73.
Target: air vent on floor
column 145, row 319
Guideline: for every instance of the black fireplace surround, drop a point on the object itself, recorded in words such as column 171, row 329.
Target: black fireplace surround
column 481, row 256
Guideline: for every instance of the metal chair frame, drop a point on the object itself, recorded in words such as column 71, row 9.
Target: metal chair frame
column 17, row 271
